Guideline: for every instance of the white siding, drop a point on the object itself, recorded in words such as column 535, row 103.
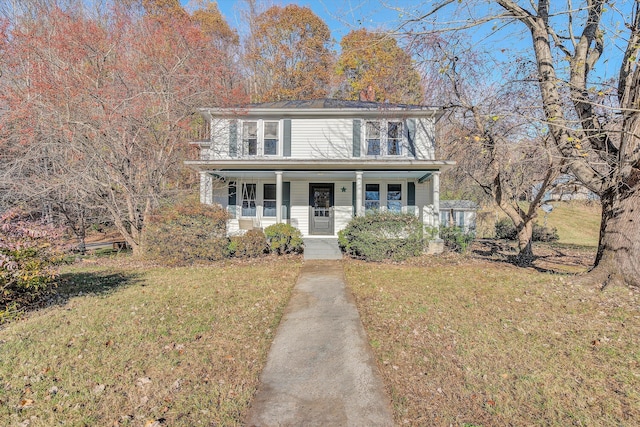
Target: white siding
column 322, row 138
column 343, row 209
column 425, row 139
column 219, row 140
column 300, row 206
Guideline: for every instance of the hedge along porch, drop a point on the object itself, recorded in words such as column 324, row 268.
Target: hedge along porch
column 315, row 164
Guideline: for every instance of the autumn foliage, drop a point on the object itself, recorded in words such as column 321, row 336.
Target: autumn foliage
column 27, row 259
column 372, row 59
column 107, row 102
column 288, row 55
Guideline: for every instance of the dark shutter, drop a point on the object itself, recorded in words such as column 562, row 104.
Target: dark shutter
column 353, row 197
column 286, row 136
column 357, row 139
column 411, row 136
column 411, row 194
column 286, row 199
column 233, row 138
column 232, row 199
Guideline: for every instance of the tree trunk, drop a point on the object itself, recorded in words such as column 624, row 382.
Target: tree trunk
column 618, row 258
column 525, row 235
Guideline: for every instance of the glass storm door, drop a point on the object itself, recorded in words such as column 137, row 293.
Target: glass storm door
column 321, row 209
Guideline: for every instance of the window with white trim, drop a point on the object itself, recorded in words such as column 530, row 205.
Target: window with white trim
column 270, row 138
column 260, row 137
column 248, row 200
column 394, row 197
column 394, row 138
column 384, row 138
column 373, row 138
column 269, row 200
column 372, row 197
column 250, row 138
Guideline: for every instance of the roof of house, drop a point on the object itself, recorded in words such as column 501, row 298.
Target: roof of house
column 324, row 103
column 325, row 107
column 460, row 205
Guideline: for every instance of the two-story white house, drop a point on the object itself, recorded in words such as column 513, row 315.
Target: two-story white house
column 316, row 164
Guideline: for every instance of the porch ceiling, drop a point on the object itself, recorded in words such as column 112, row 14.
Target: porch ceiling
column 321, row 169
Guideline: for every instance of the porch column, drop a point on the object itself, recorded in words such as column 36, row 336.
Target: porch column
column 278, row 197
column 206, row 188
column 359, row 211
column 436, row 199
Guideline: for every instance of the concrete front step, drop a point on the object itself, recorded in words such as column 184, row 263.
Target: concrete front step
column 321, row 248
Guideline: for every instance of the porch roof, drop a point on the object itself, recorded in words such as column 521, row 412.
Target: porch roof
column 322, row 169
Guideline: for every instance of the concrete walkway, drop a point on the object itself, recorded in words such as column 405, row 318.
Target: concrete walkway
column 321, row 248
column 320, row 370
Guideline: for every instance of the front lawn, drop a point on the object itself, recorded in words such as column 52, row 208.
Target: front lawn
column 469, row 342
column 137, row 346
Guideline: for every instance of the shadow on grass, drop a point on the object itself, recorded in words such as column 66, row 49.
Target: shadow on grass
column 548, row 258
column 97, row 283
column 68, row 286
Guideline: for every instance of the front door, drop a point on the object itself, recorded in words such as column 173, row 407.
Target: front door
column 321, row 209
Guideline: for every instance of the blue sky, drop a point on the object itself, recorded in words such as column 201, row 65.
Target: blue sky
column 344, row 15
column 340, row 15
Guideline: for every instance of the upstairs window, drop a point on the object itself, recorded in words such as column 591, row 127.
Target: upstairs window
column 250, row 138
column 373, row 138
column 394, row 138
column 270, row 138
column 260, row 138
column 384, row 138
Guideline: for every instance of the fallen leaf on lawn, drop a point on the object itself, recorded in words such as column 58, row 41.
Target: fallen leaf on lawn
column 108, row 343
column 98, row 389
column 25, row 403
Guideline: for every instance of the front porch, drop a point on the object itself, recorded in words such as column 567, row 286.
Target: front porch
column 319, row 197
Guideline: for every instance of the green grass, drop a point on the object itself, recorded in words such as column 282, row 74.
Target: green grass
column 578, row 223
column 469, row 342
column 130, row 346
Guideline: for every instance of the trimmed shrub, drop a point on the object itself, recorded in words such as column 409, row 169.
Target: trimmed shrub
column 506, row 230
column 27, row 258
column 251, row 244
column 284, row 239
column 544, row 234
column 456, row 239
column 186, row 232
column 383, row 235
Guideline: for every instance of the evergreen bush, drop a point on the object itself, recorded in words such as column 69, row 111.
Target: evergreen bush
column 284, row 239
column 383, row 235
column 251, row 244
column 507, row 231
column 456, row 238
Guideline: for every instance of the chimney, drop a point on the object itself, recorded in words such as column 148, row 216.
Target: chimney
column 368, row 94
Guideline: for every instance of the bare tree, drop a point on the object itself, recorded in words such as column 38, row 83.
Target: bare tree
column 567, row 41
